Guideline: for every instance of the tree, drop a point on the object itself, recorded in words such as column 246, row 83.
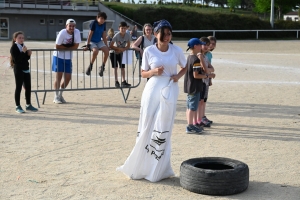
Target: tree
column 282, row 6
column 207, row 1
column 220, row 2
column 247, row 4
column 233, row 3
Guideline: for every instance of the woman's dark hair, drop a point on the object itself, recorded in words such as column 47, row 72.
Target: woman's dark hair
column 14, row 36
column 162, row 32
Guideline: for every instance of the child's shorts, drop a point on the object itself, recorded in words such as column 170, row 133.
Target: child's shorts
column 192, row 101
column 116, row 60
column 98, row 45
column 204, row 93
column 61, row 65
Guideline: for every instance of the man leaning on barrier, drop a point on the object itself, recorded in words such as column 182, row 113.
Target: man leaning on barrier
column 67, row 39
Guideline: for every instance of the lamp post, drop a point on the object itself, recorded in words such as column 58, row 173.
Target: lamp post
column 272, row 14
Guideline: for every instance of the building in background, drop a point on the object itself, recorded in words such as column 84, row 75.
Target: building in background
column 291, row 16
column 42, row 19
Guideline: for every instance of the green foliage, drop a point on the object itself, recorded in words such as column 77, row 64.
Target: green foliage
column 195, row 18
column 233, row 3
column 262, row 6
column 281, row 24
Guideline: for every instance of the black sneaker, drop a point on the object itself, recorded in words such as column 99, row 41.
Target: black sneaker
column 207, row 119
column 204, row 123
column 101, row 70
column 117, row 84
column 89, row 69
column 125, row 84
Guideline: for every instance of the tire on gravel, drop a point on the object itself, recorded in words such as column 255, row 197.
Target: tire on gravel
column 214, row 176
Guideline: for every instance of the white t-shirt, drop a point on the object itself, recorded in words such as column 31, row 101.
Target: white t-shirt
column 148, row 42
column 64, row 37
column 153, row 58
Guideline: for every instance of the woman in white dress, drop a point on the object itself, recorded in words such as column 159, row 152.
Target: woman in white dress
column 150, row 157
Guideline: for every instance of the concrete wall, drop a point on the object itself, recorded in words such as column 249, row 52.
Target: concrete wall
column 30, row 24
column 29, row 20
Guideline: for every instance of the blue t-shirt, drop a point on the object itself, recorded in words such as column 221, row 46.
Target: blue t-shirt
column 98, row 31
column 209, row 56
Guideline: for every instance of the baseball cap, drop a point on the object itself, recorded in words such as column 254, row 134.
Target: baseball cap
column 70, row 21
column 162, row 23
column 194, row 41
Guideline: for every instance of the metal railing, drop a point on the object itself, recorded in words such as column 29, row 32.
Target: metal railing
column 52, row 4
column 42, row 76
column 232, row 31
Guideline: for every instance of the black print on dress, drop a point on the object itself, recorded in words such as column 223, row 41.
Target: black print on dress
column 160, row 132
column 159, row 141
column 155, row 152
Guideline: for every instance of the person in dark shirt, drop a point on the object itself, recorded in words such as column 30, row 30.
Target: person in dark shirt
column 19, row 62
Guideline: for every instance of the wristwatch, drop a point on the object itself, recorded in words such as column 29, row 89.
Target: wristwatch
column 206, row 75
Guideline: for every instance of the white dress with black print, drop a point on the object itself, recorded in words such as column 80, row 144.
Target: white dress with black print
column 150, row 157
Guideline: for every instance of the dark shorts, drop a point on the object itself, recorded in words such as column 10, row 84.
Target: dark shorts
column 116, row 60
column 192, row 101
column 204, row 93
column 61, row 65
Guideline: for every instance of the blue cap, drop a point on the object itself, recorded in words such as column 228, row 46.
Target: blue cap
column 194, row 41
column 162, row 23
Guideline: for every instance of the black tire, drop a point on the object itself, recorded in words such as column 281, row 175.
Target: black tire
column 214, row 176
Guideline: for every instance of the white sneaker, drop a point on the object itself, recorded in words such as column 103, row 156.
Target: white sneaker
column 62, row 99
column 57, row 100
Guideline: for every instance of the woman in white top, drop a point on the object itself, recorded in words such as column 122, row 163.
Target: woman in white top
column 145, row 40
column 150, row 157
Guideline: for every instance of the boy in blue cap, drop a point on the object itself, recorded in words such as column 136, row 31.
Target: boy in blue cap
column 193, row 84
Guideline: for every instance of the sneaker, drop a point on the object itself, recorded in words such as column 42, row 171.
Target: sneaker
column 57, row 100
column 204, row 123
column 62, row 99
column 207, row 119
column 125, row 84
column 199, row 127
column 101, row 70
column 117, row 84
column 89, row 69
column 31, row 108
column 193, row 129
column 19, row 109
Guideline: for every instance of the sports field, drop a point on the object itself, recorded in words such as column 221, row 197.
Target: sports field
column 71, row 151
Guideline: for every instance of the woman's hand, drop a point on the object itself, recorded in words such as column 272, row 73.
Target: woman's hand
column 175, row 78
column 24, row 48
column 157, row 71
column 29, row 52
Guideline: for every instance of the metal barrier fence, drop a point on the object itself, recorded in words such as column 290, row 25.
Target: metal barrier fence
column 42, row 76
column 233, row 31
